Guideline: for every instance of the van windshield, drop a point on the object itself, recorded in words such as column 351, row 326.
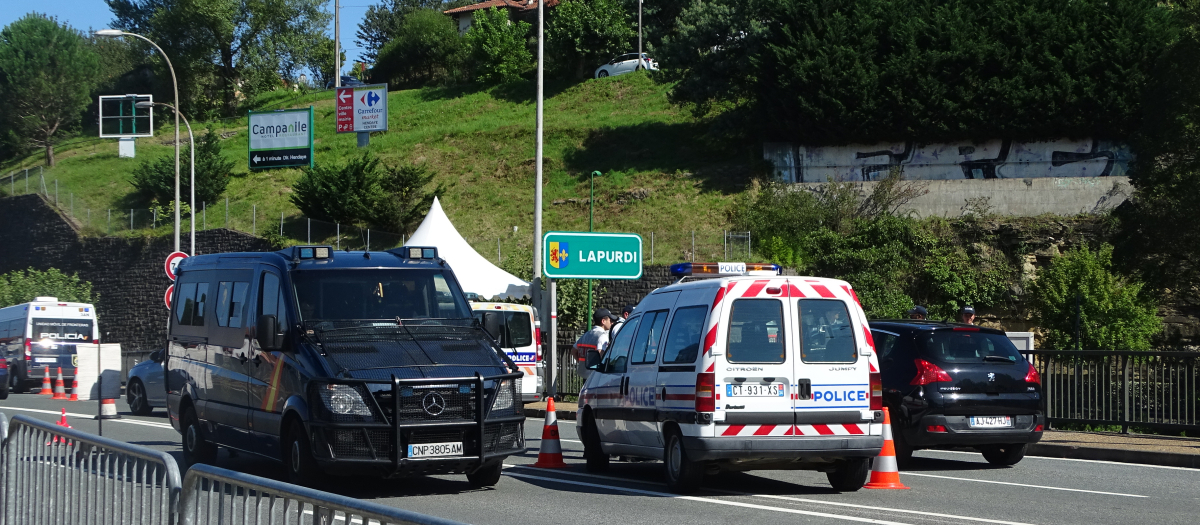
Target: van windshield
column 339, row 295
column 516, row 330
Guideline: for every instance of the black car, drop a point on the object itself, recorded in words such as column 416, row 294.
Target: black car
column 950, row 385
column 347, row 81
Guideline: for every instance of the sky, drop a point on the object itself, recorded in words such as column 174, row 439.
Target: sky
column 94, row 14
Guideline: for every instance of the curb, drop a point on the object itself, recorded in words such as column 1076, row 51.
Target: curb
column 1167, row 459
column 562, row 414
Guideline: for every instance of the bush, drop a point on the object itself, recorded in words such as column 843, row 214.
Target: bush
column 403, row 203
column 364, row 193
column 581, row 35
column 498, row 47
column 23, row 286
column 426, row 50
column 155, row 178
column 1114, row 314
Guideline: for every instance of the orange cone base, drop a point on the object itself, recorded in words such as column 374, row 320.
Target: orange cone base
column 885, row 480
column 550, row 461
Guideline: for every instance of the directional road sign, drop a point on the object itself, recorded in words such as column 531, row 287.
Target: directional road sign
column 172, row 262
column 583, row 255
column 362, row 109
column 281, row 138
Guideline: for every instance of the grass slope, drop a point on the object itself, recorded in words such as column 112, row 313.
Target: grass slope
column 660, row 173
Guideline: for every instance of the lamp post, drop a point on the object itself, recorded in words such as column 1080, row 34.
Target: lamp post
column 192, row 150
column 591, row 225
column 175, row 86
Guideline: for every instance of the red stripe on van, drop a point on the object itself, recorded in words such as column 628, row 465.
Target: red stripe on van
column 823, row 291
column 823, row 430
column 710, row 339
column 870, row 340
column 791, row 431
column 712, row 367
column 794, row 291
column 852, row 294
column 764, row 430
column 720, row 295
column 733, row 430
column 853, row 429
column 753, row 290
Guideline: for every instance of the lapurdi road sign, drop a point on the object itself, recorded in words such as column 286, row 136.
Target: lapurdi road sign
column 584, row 255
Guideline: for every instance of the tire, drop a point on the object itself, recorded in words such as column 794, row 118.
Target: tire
column 485, row 476
column 16, row 381
column 602, row 74
column 195, row 448
column 850, row 475
column 135, row 395
column 597, row 460
column 1004, row 455
column 683, row 475
column 4, row 393
column 904, row 451
column 297, row 455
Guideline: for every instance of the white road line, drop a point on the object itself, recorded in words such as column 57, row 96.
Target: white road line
column 1074, row 459
column 1024, row 485
column 90, row 416
column 802, row 500
column 709, row 500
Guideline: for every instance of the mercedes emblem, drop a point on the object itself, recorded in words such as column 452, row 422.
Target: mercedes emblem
column 433, row 403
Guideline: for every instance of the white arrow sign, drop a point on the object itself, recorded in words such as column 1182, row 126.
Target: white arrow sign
column 344, row 96
column 256, row 159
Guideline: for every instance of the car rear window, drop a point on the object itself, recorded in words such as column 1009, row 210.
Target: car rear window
column 755, row 331
column 825, row 331
column 945, row 346
column 515, row 332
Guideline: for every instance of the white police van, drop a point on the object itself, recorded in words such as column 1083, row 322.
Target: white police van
column 42, row 335
column 749, row 370
column 517, row 328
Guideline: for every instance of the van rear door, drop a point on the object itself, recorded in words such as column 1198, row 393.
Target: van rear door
column 757, row 370
column 55, row 330
column 832, row 378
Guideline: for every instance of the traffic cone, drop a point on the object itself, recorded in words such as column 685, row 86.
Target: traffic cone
column 108, row 409
column 74, row 390
column 46, row 384
column 62, row 422
column 550, row 453
column 884, row 472
column 60, row 391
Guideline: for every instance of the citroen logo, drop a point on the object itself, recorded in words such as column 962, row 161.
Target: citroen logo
column 991, row 377
column 433, row 403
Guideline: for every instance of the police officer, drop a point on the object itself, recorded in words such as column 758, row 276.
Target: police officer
column 966, row 315
column 594, row 339
column 625, row 313
column 918, row 312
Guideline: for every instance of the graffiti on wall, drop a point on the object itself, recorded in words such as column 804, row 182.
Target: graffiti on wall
column 993, row 159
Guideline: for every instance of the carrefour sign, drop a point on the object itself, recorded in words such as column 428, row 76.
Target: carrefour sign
column 280, row 138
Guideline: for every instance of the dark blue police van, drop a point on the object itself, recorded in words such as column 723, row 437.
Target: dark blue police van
column 339, row 362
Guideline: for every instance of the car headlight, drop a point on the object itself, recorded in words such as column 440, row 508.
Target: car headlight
column 506, row 396
column 344, row 400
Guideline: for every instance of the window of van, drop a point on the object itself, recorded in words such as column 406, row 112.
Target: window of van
column 645, row 344
column 329, row 295
column 192, row 298
column 231, row 302
column 516, row 330
column 755, row 334
column 825, row 331
column 616, row 357
column 683, row 339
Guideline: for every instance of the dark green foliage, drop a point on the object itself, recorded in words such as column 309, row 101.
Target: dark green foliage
column 1114, row 314
column 404, row 200
column 498, row 47
column 382, row 23
column 840, row 71
column 47, row 72
column 23, row 286
column 155, row 178
column 582, row 34
column 426, row 50
column 363, row 192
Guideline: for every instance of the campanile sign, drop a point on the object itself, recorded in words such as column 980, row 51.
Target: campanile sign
column 280, row 138
column 362, row 109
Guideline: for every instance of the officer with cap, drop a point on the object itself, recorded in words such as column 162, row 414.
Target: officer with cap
column 595, row 339
column 918, row 312
column 966, row 315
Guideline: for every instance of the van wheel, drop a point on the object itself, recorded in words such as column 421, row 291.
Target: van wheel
column 298, row 456
column 135, row 395
column 850, row 475
column 683, row 475
column 597, row 460
column 195, row 448
column 4, row 393
column 485, row 476
column 1004, row 455
column 16, row 382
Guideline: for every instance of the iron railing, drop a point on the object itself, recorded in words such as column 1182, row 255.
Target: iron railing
column 567, row 380
column 1153, row 390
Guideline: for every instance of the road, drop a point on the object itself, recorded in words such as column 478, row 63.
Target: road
column 946, row 487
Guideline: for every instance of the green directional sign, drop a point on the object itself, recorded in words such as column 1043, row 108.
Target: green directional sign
column 583, row 255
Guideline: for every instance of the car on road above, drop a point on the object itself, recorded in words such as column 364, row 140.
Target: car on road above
column 347, row 81
column 627, row 63
column 951, row 385
column 144, row 390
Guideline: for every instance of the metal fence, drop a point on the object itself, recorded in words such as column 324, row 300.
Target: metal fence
column 1154, row 390
column 567, row 380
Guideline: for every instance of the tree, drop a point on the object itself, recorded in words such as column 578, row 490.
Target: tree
column 498, row 46
column 22, row 286
column 47, row 72
column 382, row 23
column 425, row 50
column 320, row 62
column 1113, row 312
column 404, row 201
column 341, row 193
column 582, row 34
column 155, row 178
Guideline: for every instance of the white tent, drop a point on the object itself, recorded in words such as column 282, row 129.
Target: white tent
column 474, row 273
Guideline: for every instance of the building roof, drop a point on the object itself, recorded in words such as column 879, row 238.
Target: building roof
column 518, row 5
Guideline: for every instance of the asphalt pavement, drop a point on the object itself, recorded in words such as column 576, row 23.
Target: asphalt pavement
column 945, row 487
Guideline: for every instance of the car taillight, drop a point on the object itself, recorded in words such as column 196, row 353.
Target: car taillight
column 3, row 364
column 876, row 391
column 537, row 336
column 706, row 399
column 28, row 349
column 1033, row 376
column 936, row 428
column 1037, row 428
column 928, row 373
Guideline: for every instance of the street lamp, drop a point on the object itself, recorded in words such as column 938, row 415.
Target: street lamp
column 175, row 85
column 192, row 150
column 591, row 225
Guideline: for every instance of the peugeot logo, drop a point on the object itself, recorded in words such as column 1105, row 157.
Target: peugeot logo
column 433, row 403
column 991, row 377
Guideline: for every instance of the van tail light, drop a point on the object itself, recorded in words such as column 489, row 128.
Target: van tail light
column 706, row 385
column 1033, row 376
column 928, row 373
column 876, row 391
column 28, row 349
column 537, row 342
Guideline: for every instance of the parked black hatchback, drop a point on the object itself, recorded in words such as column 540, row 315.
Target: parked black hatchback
column 953, row 385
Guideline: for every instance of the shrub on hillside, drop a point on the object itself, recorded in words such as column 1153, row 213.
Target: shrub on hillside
column 366, row 193
column 155, row 178
column 426, row 50
column 22, row 286
column 498, row 46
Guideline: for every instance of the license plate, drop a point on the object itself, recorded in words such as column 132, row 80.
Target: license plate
column 743, row 390
column 426, row 450
column 990, row 422
column 45, row 360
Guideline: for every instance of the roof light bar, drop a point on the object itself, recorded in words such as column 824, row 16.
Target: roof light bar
column 416, row 252
column 312, row 252
column 724, row 269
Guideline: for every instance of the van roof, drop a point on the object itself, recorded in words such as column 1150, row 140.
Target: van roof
column 500, row 306
column 337, row 259
column 724, row 281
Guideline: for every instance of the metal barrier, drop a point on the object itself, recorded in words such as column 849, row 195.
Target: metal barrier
column 215, row 495
column 1159, row 390
column 54, row 474
column 567, row 380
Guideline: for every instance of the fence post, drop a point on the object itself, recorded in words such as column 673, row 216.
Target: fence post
column 498, row 259
column 725, row 238
column 204, row 214
column 368, row 239
column 281, row 224
column 108, row 225
column 1125, row 394
column 747, row 246
column 693, row 256
column 254, row 219
column 651, row 247
column 309, row 230
column 339, row 235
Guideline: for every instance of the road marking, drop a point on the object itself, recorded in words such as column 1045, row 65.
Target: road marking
column 799, row 500
column 1168, row 467
column 90, row 416
column 709, row 500
column 1025, row 485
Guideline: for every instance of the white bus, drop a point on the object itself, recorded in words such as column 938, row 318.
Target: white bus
column 42, row 334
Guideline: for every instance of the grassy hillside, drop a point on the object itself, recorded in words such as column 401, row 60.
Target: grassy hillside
column 660, row 173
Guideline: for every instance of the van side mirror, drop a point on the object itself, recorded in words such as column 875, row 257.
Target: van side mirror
column 267, row 333
column 593, row 359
